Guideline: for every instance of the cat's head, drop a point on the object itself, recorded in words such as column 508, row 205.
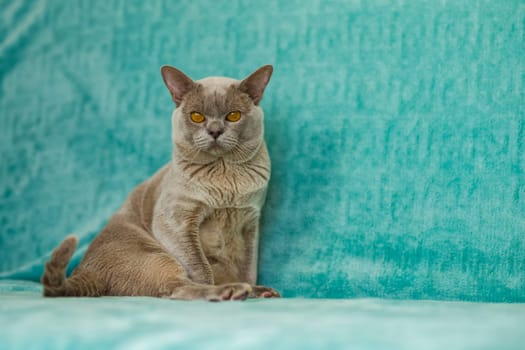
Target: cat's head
column 217, row 117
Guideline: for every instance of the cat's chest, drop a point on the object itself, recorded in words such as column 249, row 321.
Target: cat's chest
column 221, row 233
column 224, row 185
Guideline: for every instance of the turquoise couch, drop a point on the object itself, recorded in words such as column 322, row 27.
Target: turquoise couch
column 395, row 217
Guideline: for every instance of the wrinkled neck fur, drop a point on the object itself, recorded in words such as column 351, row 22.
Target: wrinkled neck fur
column 180, row 156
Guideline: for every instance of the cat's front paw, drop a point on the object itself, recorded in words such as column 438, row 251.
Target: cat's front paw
column 264, row 292
column 230, row 291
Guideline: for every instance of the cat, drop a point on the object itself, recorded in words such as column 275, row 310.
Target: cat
column 190, row 231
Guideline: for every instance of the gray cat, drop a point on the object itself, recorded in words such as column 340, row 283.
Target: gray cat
column 191, row 231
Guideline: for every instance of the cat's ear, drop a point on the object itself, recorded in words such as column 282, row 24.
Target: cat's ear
column 177, row 83
column 255, row 84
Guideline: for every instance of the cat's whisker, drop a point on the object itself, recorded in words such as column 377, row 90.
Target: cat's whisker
column 199, row 141
column 195, row 155
column 229, row 141
column 243, row 152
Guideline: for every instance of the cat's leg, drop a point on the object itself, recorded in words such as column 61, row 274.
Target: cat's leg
column 163, row 276
column 177, row 229
column 84, row 284
column 54, row 278
column 137, row 265
column 79, row 284
column 188, row 290
column 224, row 270
column 224, row 273
column 133, row 265
column 248, row 272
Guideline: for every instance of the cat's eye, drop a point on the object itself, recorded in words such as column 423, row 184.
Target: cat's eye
column 233, row 116
column 196, row 117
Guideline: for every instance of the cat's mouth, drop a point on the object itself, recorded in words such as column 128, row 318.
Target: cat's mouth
column 217, row 147
column 214, row 148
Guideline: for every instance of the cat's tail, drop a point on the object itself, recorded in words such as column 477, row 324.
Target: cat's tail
column 54, row 277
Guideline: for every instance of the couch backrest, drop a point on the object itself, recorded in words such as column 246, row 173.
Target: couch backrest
column 396, row 130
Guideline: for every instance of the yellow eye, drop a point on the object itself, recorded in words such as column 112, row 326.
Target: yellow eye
column 233, row 116
column 197, row 117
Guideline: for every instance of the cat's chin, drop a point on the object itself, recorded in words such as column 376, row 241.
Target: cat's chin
column 217, row 151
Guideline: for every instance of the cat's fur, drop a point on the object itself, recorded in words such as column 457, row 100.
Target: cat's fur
column 190, row 231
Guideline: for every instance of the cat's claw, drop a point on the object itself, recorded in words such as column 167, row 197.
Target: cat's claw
column 264, row 292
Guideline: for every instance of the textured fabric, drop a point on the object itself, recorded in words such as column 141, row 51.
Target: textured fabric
column 148, row 323
column 396, row 130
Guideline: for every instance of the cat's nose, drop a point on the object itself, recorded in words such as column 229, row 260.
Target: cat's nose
column 215, row 133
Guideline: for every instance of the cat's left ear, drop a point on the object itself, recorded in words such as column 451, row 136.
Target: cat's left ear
column 255, row 84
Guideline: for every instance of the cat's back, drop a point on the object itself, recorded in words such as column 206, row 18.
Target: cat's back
column 140, row 204
column 129, row 229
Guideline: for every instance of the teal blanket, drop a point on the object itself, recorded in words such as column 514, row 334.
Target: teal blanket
column 396, row 130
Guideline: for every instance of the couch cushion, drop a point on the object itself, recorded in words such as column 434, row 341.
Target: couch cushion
column 31, row 321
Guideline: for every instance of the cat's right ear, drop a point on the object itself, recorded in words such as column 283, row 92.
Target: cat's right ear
column 177, row 83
